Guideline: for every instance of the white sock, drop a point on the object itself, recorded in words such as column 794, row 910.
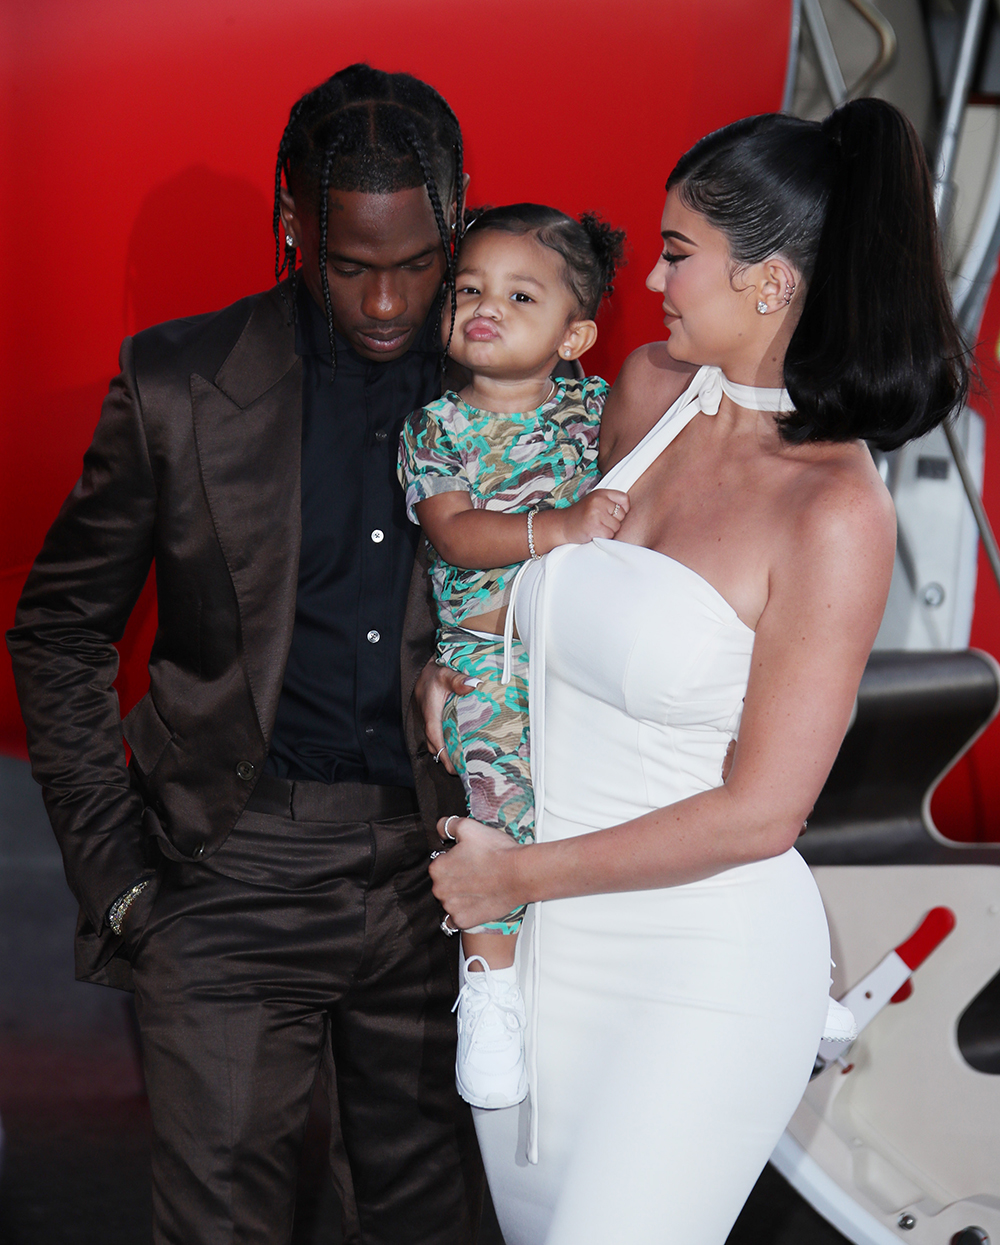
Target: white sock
column 502, row 976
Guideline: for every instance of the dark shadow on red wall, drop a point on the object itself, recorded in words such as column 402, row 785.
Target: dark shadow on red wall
column 200, row 241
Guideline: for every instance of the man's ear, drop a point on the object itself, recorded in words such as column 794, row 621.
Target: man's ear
column 580, row 335
column 289, row 217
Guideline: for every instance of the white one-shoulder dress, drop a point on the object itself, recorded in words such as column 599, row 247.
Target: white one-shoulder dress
column 671, row 1032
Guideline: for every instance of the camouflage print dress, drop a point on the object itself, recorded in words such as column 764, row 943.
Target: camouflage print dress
column 545, row 458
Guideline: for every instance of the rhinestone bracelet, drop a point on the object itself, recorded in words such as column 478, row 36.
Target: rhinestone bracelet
column 531, row 535
column 116, row 913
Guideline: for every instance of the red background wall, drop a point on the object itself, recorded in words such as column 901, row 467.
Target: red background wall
column 966, row 806
column 138, row 138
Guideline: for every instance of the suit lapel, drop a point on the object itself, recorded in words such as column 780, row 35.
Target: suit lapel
column 248, row 431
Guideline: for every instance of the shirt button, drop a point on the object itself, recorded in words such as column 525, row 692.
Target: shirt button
column 199, row 850
column 378, row 536
column 369, row 731
column 374, row 637
column 381, row 435
column 245, row 771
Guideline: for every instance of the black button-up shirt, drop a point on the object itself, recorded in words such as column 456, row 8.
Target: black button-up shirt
column 339, row 717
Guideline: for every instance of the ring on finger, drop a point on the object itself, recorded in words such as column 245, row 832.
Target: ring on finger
column 616, row 510
column 446, row 832
column 437, row 755
column 450, row 930
column 435, row 855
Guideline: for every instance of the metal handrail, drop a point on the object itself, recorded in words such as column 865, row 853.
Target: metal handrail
column 826, row 54
column 965, row 64
column 794, row 39
column 887, row 46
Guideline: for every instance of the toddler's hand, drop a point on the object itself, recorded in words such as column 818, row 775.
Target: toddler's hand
column 600, row 513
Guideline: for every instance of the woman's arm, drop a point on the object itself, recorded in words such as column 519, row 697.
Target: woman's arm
column 827, row 592
column 482, row 539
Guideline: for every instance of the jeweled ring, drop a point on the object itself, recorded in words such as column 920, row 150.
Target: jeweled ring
column 450, row 930
column 435, row 855
column 616, row 509
column 446, row 832
column 437, row 755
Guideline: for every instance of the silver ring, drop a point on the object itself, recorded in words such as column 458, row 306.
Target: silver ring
column 616, row 509
column 450, row 930
column 446, row 832
column 437, row 755
column 435, row 855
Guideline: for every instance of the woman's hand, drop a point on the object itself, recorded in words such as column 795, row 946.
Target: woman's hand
column 476, row 880
column 432, row 689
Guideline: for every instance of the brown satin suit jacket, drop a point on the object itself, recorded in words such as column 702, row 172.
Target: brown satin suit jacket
column 195, row 464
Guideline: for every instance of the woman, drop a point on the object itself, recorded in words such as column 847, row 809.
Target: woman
column 680, row 964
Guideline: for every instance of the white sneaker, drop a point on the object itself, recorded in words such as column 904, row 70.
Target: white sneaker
column 489, row 1066
column 840, row 1023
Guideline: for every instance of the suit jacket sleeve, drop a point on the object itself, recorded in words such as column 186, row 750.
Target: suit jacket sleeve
column 75, row 605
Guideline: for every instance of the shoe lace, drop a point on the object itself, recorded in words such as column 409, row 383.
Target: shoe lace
column 481, row 1001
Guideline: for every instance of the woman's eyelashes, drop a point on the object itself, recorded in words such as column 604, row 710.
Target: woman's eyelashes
column 671, row 257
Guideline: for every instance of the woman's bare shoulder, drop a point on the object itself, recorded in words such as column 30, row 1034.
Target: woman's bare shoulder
column 648, row 384
column 840, row 505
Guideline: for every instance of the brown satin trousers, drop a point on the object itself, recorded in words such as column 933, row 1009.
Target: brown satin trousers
column 310, row 940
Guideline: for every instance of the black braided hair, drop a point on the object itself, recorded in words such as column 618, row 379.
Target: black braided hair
column 590, row 248
column 364, row 129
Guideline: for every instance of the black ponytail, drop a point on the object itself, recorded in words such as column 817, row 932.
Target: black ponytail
column 591, row 248
column 876, row 353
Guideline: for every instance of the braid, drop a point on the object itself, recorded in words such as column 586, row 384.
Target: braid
column 375, row 132
column 324, row 223
column 445, row 234
column 281, row 166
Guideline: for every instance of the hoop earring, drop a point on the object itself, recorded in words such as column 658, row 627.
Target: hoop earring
column 789, row 291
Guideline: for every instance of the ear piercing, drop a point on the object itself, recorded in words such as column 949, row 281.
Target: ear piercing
column 789, row 291
column 289, row 241
column 762, row 307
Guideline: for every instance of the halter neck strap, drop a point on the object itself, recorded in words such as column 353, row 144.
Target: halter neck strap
column 753, row 399
column 703, row 396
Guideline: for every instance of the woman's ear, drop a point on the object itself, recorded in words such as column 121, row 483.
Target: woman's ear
column 580, row 335
column 774, row 284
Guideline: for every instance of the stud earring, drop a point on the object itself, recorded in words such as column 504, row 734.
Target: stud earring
column 289, row 241
column 762, row 307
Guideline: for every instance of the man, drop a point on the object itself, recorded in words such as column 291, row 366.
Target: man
column 259, row 873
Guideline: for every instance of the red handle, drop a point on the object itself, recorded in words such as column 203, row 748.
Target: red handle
column 932, row 930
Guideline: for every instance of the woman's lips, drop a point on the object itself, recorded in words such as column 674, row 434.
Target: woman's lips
column 480, row 329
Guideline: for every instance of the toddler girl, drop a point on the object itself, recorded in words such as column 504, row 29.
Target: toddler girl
column 496, row 473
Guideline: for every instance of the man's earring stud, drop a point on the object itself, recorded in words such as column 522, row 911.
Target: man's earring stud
column 762, row 306
column 289, row 241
